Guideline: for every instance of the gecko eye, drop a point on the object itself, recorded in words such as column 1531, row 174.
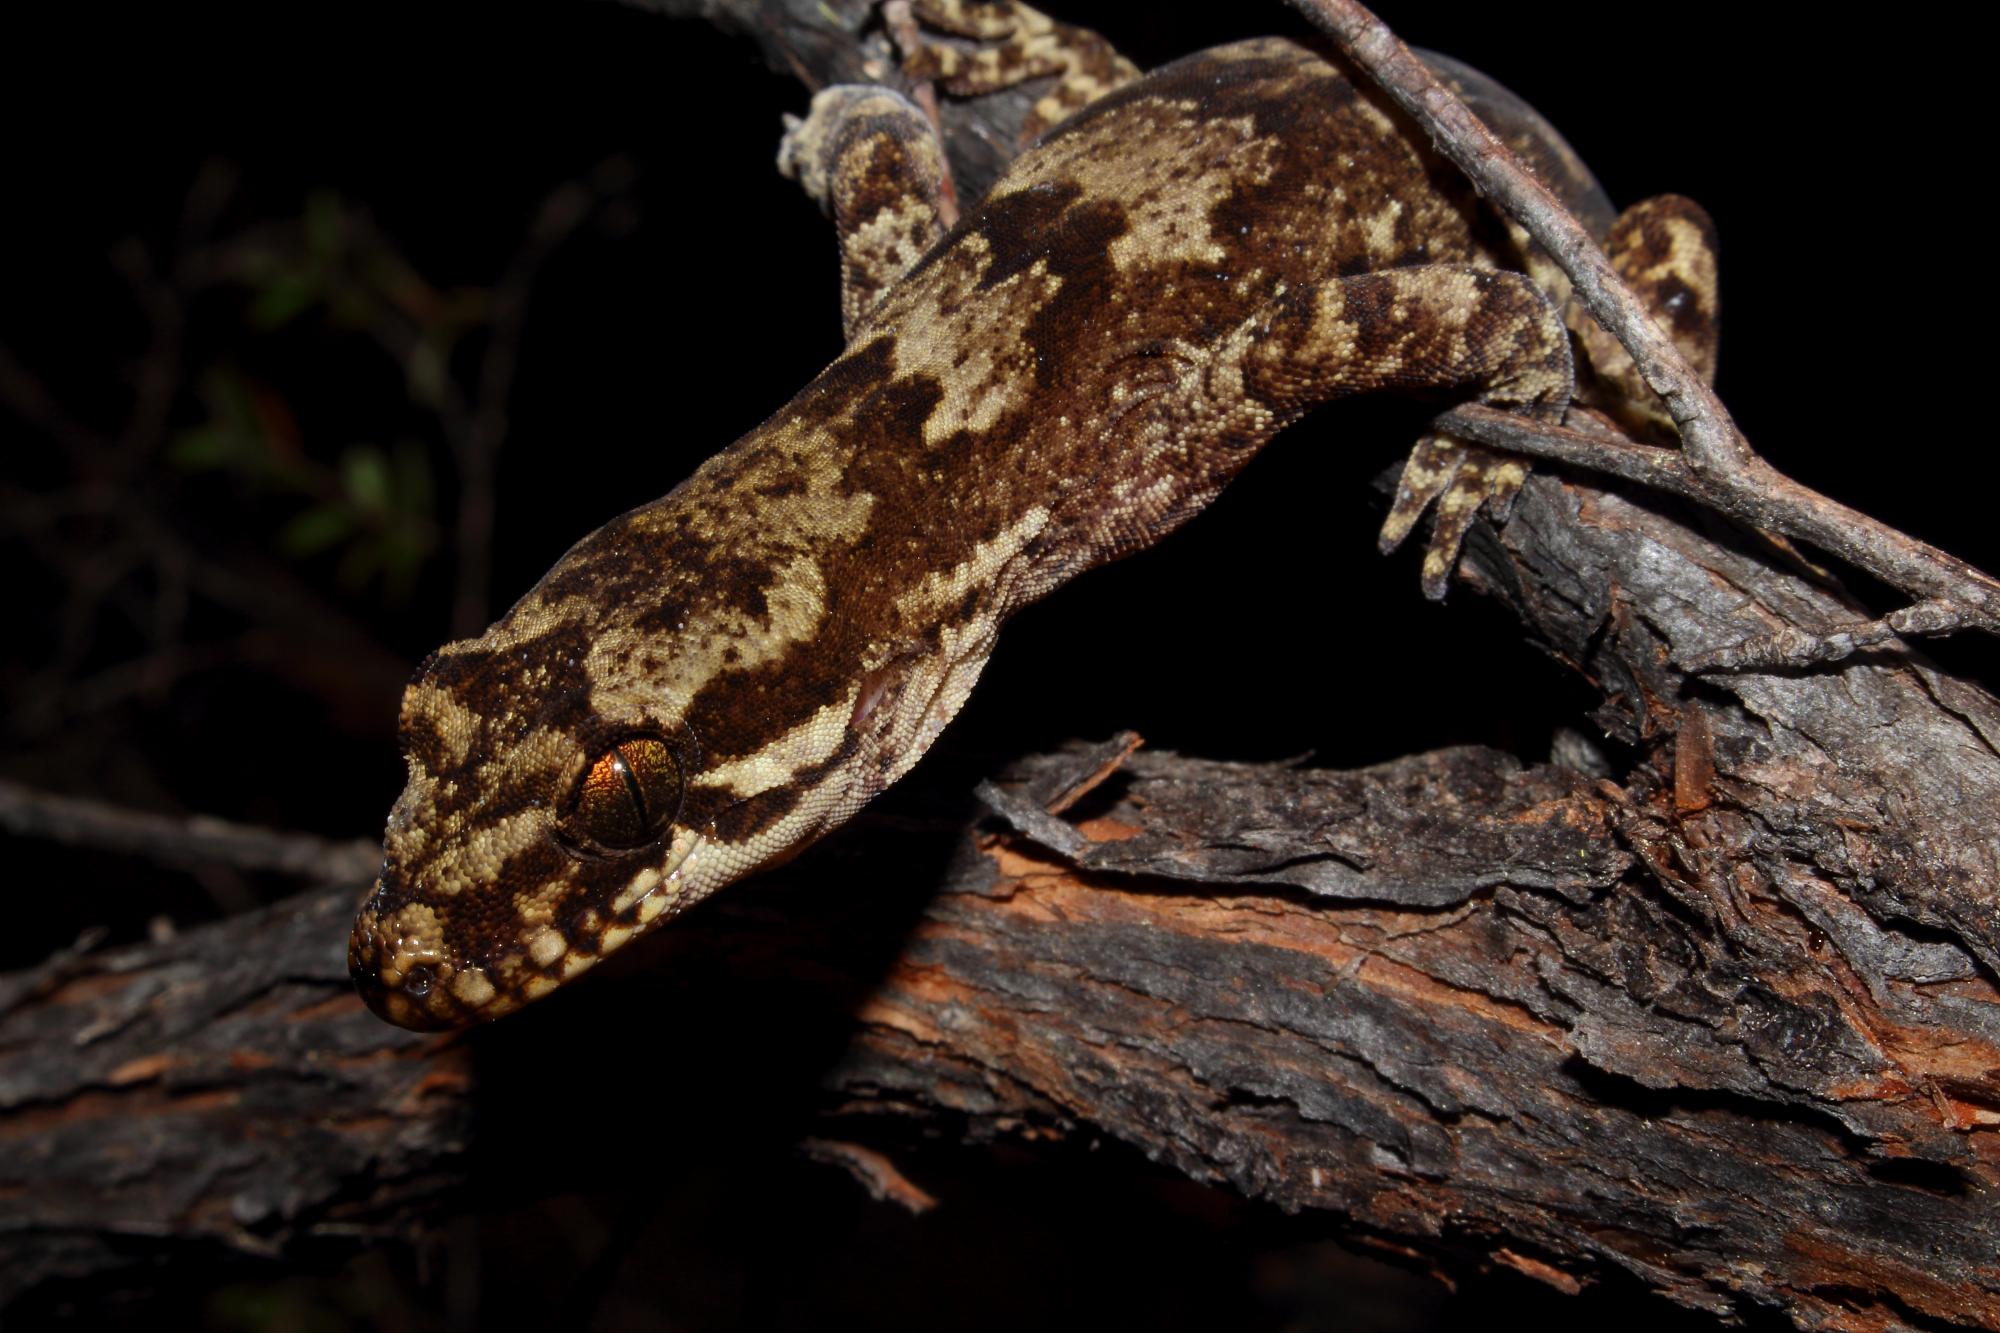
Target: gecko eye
column 629, row 794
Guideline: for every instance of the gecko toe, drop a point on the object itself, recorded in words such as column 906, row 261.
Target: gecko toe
column 1463, row 480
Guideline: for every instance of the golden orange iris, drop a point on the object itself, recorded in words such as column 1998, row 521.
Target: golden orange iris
column 630, row 793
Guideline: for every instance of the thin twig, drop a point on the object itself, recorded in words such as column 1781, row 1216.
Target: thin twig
column 195, row 838
column 1730, row 477
column 1713, row 442
column 1666, row 470
column 564, row 209
column 24, row 394
column 159, row 371
column 1797, row 648
column 1661, row 469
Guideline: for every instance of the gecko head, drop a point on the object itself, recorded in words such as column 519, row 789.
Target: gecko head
column 537, row 832
column 613, row 750
column 695, row 691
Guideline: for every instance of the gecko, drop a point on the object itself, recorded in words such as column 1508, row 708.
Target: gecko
column 1163, row 281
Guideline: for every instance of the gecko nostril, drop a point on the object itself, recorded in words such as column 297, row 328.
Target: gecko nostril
column 417, row 981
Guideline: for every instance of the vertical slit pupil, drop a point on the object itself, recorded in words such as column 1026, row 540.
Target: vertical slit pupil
column 624, row 767
column 632, row 789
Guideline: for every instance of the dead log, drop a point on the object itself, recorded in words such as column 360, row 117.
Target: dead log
column 1727, row 1023
column 1753, row 1064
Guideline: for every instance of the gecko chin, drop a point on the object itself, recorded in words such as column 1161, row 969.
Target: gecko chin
column 430, row 960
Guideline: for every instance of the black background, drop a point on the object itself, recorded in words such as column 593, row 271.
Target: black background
column 1268, row 628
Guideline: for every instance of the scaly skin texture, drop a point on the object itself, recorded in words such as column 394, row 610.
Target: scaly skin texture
column 710, row 682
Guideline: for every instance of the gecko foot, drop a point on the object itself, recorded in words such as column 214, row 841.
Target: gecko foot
column 1462, row 479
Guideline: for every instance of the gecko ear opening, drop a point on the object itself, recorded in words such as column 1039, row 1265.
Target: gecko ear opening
column 629, row 793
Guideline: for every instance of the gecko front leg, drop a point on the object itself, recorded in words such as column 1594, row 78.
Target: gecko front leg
column 1664, row 249
column 871, row 160
column 1442, row 326
column 1013, row 43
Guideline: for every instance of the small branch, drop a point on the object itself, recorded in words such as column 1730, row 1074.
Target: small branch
column 25, row 395
column 1797, row 649
column 1731, row 477
column 159, row 370
column 195, row 838
column 1613, row 455
column 1665, row 470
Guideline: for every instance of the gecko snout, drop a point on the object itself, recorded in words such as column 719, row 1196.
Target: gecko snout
column 396, row 976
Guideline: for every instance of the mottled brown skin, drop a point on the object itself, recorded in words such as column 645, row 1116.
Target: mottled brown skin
column 1079, row 366
column 1014, row 43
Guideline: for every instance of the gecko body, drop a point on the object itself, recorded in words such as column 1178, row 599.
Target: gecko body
column 711, row 681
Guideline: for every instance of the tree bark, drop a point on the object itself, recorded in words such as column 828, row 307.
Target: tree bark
column 1727, row 1024
column 1717, row 1010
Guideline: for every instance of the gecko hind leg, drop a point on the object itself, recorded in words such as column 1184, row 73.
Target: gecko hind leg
column 872, row 161
column 1665, row 250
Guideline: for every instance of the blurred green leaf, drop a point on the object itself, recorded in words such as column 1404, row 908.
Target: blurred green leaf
column 233, row 437
column 364, row 473
column 284, row 296
column 315, row 530
column 203, row 447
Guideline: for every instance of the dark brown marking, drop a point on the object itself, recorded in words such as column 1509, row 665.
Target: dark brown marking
column 739, row 821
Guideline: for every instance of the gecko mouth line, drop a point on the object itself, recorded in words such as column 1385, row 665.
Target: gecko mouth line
column 408, row 979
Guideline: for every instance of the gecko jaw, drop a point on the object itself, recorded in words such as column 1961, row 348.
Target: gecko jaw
column 407, row 975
